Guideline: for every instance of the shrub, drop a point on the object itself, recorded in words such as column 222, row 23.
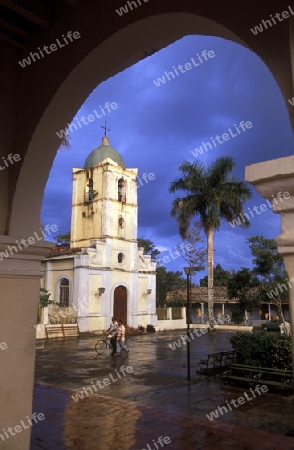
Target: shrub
column 44, row 298
column 150, row 329
column 237, row 315
column 263, row 349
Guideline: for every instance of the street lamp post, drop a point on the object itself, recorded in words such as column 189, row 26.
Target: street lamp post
column 188, row 271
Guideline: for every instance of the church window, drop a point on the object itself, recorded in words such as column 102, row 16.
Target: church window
column 120, row 258
column 64, row 292
column 121, row 185
column 121, row 222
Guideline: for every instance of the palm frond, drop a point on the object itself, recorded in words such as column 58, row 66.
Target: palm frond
column 212, row 194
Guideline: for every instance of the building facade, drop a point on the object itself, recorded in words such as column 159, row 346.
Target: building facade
column 103, row 273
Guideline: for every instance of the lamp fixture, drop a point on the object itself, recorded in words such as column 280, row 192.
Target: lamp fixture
column 101, row 290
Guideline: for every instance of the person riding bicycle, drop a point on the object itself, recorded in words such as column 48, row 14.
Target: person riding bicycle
column 111, row 331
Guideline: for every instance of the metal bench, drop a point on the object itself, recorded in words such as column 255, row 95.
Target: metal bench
column 216, row 363
column 247, row 374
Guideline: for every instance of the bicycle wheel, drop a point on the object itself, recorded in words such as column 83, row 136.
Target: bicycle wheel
column 100, row 346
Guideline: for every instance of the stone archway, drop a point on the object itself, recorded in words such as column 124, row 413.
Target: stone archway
column 46, row 104
column 158, row 31
column 120, row 304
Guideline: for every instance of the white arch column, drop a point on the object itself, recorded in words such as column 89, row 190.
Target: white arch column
column 19, row 287
column 275, row 178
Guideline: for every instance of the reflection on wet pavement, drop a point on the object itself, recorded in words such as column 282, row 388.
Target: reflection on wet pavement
column 151, row 402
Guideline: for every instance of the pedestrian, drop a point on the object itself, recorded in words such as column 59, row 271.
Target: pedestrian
column 112, row 330
column 121, row 338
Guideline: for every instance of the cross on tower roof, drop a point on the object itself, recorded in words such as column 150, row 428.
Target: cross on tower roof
column 105, row 128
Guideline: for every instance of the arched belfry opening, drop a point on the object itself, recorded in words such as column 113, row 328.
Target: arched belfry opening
column 121, row 190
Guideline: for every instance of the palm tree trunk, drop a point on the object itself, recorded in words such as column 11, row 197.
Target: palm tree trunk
column 210, row 275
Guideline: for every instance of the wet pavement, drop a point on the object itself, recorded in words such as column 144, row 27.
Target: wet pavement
column 129, row 403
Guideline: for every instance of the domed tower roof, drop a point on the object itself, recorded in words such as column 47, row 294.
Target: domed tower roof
column 102, row 152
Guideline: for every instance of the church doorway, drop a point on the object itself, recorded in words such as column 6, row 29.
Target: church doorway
column 120, row 304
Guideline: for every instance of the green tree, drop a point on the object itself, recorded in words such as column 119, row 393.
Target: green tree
column 213, row 195
column 167, row 281
column 269, row 266
column 268, row 263
column 44, row 298
column 243, row 286
column 149, row 247
column 220, row 277
column 63, row 239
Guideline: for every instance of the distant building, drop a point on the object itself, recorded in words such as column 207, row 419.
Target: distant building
column 221, row 304
column 103, row 273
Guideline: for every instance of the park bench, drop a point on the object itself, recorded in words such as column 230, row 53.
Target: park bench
column 62, row 330
column 247, row 374
column 216, row 363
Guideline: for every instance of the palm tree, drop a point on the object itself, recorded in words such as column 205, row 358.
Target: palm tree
column 212, row 195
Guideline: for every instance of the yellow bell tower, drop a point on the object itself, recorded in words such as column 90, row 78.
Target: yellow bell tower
column 104, row 199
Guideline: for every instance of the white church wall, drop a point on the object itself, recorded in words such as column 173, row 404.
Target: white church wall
column 81, row 291
column 95, row 282
column 142, row 295
column 133, row 303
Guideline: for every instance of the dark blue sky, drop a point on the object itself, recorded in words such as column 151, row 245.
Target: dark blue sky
column 155, row 128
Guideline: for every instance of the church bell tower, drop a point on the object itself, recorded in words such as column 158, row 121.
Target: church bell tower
column 104, row 199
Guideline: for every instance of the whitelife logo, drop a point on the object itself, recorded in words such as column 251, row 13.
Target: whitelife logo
column 236, row 403
column 150, row 176
column 11, row 158
column 163, row 441
column 23, row 426
column 90, row 390
column 206, row 55
column 225, row 136
column 53, row 47
column 263, row 207
column 76, row 125
column 280, row 287
column 124, row 9
column 31, row 241
column 272, row 21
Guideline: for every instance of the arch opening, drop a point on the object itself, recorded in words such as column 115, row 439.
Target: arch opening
column 120, row 304
column 156, row 31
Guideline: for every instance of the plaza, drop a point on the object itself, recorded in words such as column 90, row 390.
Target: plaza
column 151, row 401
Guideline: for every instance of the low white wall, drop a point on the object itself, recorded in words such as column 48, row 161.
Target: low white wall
column 234, row 327
column 180, row 324
column 165, row 325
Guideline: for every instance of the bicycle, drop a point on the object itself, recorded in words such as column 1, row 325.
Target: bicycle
column 103, row 344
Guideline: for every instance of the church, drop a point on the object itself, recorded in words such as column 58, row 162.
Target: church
column 103, row 273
